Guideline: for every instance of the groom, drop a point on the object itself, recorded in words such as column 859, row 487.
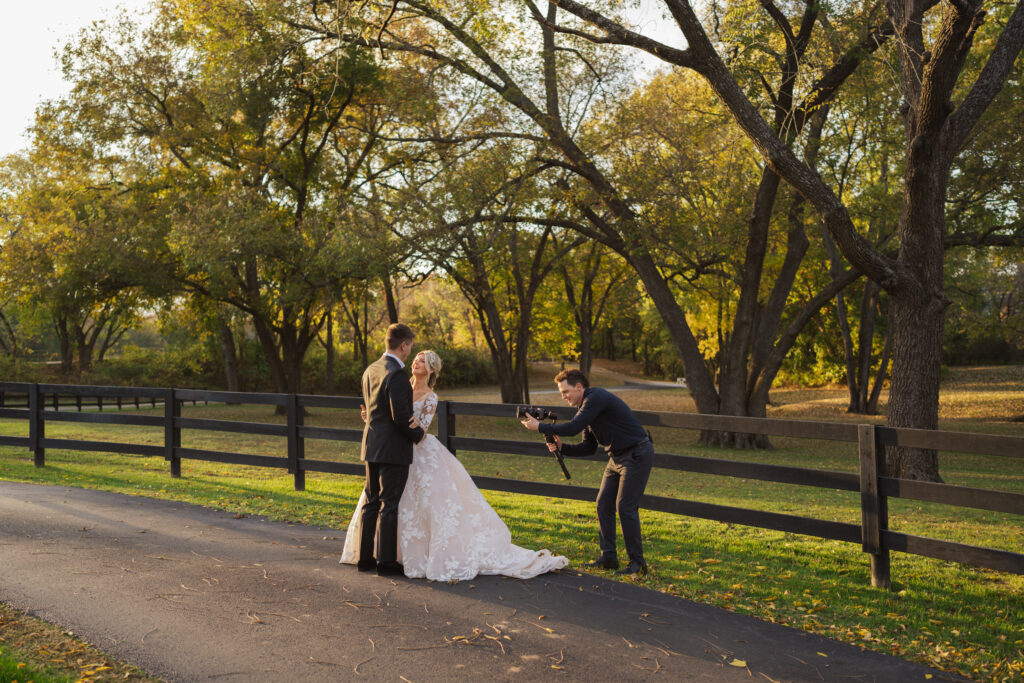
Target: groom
column 387, row 450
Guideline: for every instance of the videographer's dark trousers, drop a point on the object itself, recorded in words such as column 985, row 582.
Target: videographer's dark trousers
column 625, row 479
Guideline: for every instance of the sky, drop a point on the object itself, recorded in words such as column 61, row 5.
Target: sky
column 29, row 34
column 31, row 31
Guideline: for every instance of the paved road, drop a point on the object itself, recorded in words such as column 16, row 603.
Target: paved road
column 191, row 594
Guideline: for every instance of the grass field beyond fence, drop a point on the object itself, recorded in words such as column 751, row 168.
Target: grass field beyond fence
column 944, row 614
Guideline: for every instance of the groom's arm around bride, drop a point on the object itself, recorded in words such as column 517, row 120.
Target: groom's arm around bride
column 388, row 438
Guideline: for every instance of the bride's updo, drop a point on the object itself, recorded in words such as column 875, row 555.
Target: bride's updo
column 432, row 361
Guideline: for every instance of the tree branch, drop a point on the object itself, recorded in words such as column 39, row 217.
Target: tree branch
column 995, row 237
column 990, row 81
column 616, row 33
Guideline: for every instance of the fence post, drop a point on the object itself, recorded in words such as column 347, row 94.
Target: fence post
column 445, row 425
column 172, row 432
column 874, row 506
column 36, row 426
column 296, row 444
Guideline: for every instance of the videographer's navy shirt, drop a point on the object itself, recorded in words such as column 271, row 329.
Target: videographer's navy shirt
column 604, row 419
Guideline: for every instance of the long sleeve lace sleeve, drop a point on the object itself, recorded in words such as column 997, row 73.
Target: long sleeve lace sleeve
column 427, row 410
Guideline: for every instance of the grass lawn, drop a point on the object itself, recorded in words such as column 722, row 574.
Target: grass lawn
column 33, row 650
column 943, row 614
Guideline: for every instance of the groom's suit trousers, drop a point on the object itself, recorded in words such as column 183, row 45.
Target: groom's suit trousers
column 385, row 483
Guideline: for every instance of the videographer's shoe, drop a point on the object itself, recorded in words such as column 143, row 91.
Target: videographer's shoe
column 633, row 570
column 603, row 563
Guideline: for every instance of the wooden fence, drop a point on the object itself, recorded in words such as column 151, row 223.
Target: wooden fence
column 873, row 533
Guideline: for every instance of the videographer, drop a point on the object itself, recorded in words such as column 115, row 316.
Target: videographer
column 607, row 421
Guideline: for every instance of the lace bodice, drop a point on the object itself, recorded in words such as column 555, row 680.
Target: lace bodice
column 425, row 408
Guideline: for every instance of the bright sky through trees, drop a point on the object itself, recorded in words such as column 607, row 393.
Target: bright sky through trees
column 31, row 31
column 29, row 34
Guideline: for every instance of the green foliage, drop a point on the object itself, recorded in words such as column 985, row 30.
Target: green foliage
column 18, row 370
column 465, row 367
column 440, row 315
column 461, row 367
column 179, row 367
column 985, row 323
column 813, row 364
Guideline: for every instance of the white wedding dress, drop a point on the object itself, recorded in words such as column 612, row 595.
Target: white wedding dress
column 446, row 530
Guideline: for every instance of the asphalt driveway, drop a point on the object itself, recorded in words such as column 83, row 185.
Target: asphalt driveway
column 191, row 594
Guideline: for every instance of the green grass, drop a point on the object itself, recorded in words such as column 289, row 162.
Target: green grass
column 34, row 651
column 14, row 671
column 943, row 614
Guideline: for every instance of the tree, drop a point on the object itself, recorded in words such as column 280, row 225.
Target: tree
column 253, row 131
column 499, row 263
column 73, row 247
column 932, row 51
column 588, row 288
column 542, row 87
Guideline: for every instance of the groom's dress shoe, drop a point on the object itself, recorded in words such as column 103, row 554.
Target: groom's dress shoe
column 390, row 569
column 603, row 563
column 366, row 565
column 633, row 570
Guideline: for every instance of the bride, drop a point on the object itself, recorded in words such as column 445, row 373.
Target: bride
column 446, row 530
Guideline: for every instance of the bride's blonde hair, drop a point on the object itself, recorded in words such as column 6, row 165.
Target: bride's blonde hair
column 433, row 363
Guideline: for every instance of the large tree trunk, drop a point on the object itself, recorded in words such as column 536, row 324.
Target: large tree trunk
column 360, row 333
column 509, row 378
column 268, row 344
column 10, row 344
column 110, row 339
column 67, row 359
column 587, row 349
column 85, row 343
column 914, row 394
column 843, row 321
column 294, row 354
column 869, row 302
column 329, row 350
column 389, row 298
column 883, row 367
column 698, row 379
column 918, row 313
column 228, row 352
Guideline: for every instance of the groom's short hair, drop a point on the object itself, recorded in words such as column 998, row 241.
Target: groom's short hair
column 572, row 377
column 398, row 334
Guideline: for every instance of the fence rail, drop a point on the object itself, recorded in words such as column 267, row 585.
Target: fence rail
column 873, row 533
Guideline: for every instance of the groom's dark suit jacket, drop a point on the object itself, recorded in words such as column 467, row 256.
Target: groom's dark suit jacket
column 387, row 436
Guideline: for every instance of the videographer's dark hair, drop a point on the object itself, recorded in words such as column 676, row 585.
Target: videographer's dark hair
column 397, row 334
column 572, row 377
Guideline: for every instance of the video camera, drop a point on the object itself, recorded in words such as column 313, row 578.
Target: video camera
column 538, row 413
column 541, row 414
